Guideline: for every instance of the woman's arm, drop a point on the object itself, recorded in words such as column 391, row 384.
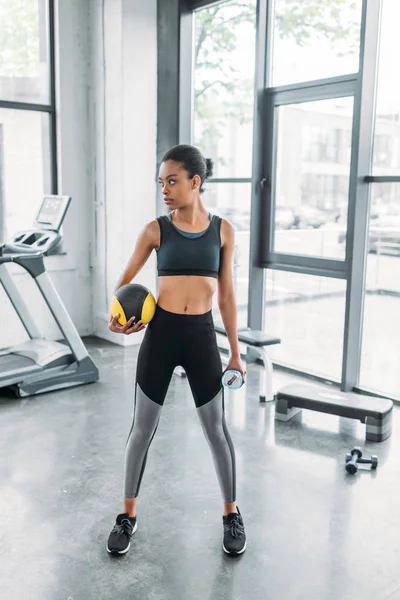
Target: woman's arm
column 226, row 294
column 149, row 238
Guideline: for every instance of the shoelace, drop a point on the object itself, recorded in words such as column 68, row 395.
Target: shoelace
column 235, row 527
column 124, row 527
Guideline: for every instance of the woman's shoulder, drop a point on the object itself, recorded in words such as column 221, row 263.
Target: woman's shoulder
column 152, row 232
column 225, row 223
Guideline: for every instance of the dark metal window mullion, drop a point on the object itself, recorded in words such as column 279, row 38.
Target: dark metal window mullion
column 328, row 265
column 340, row 87
column 358, row 211
column 186, row 74
column 309, row 269
column 31, row 106
column 229, row 180
column 197, row 4
column 53, row 113
column 382, row 179
column 259, row 191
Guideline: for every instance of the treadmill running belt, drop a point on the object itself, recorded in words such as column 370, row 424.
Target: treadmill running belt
column 10, row 362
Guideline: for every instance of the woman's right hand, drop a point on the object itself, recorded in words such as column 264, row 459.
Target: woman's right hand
column 115, row 327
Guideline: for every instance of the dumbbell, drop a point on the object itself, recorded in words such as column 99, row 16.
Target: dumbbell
column 356, row 457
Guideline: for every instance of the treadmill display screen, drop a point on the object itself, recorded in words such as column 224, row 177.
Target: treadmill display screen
column 52, row 212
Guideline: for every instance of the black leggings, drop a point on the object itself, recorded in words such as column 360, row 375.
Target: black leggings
column 190, row 341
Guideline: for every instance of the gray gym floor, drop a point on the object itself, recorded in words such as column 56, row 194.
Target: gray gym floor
column 314, row 532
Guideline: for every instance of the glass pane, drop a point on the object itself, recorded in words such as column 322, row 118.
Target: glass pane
column 24, row 51
column 380, row 356
column 307, row 313
column 315, row 39
column 312, row 177
column 386, row 157
column 232, row 202
column 224, row 62
column 24, row 168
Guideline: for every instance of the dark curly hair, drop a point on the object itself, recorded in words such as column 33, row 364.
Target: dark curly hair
column 192, row 161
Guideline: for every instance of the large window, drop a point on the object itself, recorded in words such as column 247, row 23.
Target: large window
column 380, row 351
column 386, row 157
column 224, row 56
column 307, row 313
column 27, row 152
column 326, row 191
column 224, row 61
column 380, row 358
column 312, row 177
column 232, row 202
column 314, row 39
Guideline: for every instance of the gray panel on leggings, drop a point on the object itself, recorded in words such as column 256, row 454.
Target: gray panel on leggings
column 212, row 419
column 145, row 421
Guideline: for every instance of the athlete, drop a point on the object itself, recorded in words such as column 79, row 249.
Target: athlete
column 194, row 257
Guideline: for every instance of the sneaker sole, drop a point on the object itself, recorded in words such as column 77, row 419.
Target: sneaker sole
column 235, row 553
column 121, row 551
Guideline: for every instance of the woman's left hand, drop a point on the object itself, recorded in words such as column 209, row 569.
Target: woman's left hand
column 236, row 363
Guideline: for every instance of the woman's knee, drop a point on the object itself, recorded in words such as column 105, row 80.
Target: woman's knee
column 140, row 436
column 215, row 434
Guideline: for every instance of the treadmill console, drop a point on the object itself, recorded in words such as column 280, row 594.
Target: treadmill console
column 44, row 237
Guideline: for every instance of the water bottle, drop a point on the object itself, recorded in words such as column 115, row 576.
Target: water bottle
column 232, row 379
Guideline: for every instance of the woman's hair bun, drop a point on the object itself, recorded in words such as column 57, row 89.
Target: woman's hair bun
column 210, row 168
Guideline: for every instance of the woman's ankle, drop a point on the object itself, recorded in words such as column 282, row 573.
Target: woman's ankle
column 130, row 507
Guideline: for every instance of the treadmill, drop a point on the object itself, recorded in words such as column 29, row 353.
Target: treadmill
column 41, row 365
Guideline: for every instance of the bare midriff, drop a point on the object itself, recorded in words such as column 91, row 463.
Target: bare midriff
column 186, row 294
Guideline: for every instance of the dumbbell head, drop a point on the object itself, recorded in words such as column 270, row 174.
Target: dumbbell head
column 351, row 468
column 374, row 462
column 357, row 450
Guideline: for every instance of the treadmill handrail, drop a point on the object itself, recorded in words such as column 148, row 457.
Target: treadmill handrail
column 12, row 257
column 33, row 263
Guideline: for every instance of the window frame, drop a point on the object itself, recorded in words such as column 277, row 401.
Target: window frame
column 49, row 108
column 362, row 87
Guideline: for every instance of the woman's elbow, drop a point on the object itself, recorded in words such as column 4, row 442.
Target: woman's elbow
column 226, row 299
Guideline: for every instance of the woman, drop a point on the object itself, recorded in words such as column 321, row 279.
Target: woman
column 194, row 256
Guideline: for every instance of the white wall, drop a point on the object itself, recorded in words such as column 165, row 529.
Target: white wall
column 106, row 95
column 123, row 120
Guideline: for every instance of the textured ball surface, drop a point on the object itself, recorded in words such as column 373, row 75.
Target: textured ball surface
column 135, row 300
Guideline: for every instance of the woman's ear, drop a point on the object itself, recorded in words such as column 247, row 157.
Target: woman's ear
column 196, row 182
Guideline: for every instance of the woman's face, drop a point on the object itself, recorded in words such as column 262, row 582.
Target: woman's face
column 176, row 186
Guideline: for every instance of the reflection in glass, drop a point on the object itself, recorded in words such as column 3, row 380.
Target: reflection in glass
column 380, row 356
column 386, row 156
column 307, row 313
column 312, row 177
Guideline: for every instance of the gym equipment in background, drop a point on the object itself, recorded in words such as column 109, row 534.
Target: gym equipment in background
column 41, row 365
column 375, row 412
column 355, row 458
column 257, row 340
column 133, row 300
